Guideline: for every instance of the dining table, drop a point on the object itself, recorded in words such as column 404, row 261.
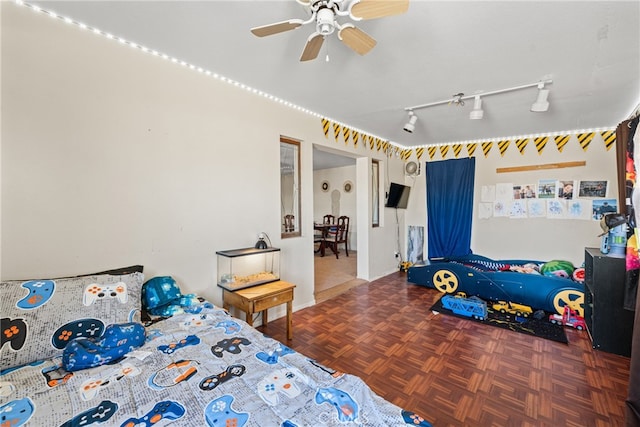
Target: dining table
column 324, row 230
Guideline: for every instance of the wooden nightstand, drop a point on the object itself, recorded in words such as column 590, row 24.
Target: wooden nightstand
column 260, row 298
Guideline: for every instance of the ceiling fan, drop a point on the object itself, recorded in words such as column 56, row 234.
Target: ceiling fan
column 325, row 13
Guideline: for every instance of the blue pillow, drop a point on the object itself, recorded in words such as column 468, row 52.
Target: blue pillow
column 185, row 304
column 159, row 291
column 117, row 340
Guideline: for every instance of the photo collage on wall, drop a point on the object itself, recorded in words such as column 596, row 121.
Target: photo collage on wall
column 547, row 198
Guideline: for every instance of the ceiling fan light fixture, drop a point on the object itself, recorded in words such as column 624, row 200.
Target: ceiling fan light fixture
column 411, row 124
column 541, row 103
column 324, row 14
column 477, row 113
column 325, row 22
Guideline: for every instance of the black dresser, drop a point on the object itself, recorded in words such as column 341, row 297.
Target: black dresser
column 610, row 326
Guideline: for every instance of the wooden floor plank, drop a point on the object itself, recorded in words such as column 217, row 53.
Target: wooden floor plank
column 456, row 372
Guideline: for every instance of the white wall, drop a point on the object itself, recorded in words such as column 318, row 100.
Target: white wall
column 392, row 221
column 532, row 238
column 542, row 238
column 112, row 157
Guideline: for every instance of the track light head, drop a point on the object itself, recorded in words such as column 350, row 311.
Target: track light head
column 411, row 124
column 477, row 113
column 541, row 104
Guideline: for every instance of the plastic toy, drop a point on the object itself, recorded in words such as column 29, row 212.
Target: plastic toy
column 569, row 318
column 469, row 307
column 513, row 308
column 404, row 265
column 494, row 280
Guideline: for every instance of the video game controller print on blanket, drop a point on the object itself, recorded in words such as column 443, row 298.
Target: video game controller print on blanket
column 196, row 377
column 39, row 293
column 40, row 317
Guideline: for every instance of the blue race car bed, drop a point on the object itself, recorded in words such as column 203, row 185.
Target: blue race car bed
column 516, row 281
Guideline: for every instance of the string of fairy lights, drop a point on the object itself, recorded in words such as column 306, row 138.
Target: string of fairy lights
column 390, row 146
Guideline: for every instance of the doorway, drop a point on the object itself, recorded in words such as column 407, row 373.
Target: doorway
column 334, row 193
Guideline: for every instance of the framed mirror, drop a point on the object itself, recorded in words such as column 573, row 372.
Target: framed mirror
column 289, row 187
column 375, row 193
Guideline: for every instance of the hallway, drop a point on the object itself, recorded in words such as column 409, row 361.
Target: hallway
column 335, row 276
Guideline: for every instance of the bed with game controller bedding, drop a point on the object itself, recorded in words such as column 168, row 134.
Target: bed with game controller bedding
column 76, row 352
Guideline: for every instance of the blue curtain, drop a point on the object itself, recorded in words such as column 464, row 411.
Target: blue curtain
column 450, row 206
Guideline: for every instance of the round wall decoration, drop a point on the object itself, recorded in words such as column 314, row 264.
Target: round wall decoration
column 348, row 186
column 324, row 186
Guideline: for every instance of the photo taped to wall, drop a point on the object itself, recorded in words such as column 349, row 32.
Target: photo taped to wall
column 593, row 189
column 547, row 188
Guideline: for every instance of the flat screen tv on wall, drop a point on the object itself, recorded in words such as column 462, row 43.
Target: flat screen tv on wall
column 398, row 196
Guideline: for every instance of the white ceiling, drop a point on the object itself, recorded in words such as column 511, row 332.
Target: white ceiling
column 590, row 49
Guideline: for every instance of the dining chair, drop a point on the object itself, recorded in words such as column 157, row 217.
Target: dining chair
column 334, row 236
column 328, row 219
column 318, row 235
column 345, row 220
column 289, row 223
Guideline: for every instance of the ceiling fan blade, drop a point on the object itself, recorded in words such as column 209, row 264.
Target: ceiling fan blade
column 356, row 39
column 372, row 9
column 312, row 48
column 278, row 27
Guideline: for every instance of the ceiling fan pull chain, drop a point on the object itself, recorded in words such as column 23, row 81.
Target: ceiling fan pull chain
column 326, row 58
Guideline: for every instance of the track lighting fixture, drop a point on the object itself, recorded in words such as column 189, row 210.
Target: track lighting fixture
column 477, row 113
column 411, row 124
column 541, row 104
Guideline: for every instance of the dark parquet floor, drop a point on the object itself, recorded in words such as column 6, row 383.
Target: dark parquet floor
column 456, row 372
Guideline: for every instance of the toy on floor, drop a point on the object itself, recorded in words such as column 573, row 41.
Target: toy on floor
column 404, row 266
column 513, row 308
column 569, row 317
column 469, row 307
